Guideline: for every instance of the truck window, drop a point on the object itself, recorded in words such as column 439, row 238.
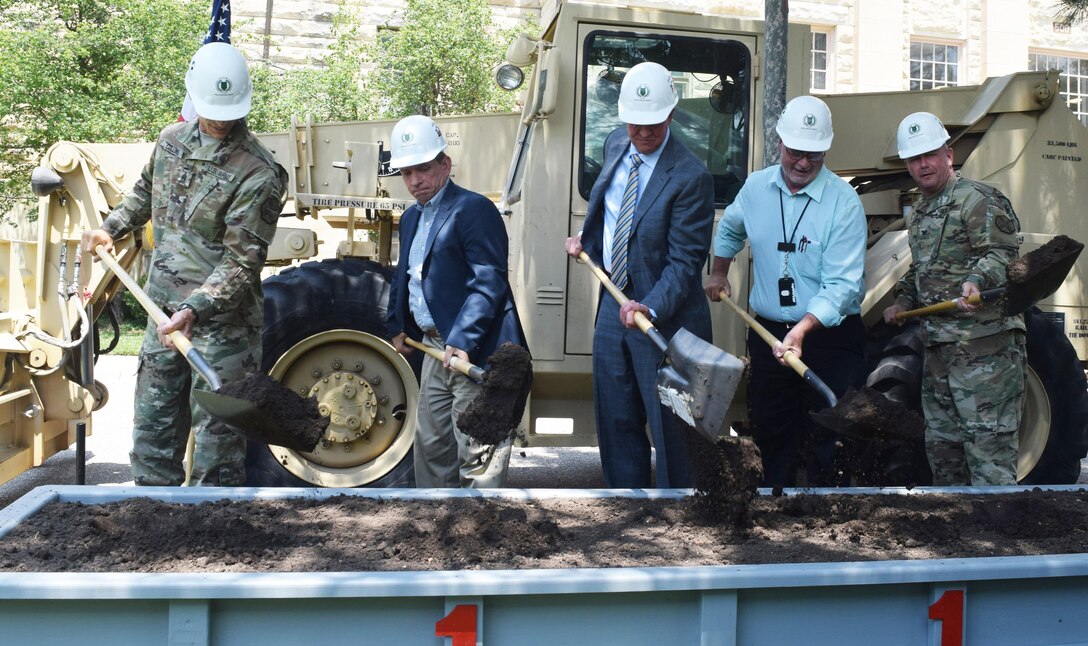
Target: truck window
column 712, row 79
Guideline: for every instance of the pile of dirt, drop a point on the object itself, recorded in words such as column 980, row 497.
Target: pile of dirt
column 492, row 417
column 868, row 414
column 1052, row 254
column 727, row 476
column 281, row 416
column 347, row 533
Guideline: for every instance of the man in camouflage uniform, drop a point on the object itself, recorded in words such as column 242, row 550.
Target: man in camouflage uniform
column 962, row 236
column 213, row 194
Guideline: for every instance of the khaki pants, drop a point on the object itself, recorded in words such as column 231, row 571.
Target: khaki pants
column 444, row 456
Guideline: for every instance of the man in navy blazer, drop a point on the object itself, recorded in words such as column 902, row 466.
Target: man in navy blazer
column 665, row 213
column 450, row 291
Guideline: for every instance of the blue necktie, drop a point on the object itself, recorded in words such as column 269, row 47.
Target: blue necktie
column 622, row 235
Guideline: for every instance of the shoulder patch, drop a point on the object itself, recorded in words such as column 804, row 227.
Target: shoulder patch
column 270, row 209
column 1004, row 223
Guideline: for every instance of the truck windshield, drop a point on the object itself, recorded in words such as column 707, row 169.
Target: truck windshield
column 712, row 79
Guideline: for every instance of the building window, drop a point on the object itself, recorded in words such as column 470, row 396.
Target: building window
column 1074, row 79
column 933, row 65
column 821, row 61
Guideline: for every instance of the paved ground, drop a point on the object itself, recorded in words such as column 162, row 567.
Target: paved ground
column 108, row 446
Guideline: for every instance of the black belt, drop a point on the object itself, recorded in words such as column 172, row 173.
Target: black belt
column 768, row 323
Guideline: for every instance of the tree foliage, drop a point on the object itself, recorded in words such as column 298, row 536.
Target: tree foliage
column 1072, row 12
column 440, row 61
column 88, row 70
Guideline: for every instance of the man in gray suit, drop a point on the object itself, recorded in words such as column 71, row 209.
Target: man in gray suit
column 649, row 222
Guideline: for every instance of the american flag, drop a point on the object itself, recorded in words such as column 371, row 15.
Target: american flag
column 218, row 32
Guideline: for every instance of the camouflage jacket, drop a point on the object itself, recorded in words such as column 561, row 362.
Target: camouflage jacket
column 966, row 233
column 213, row 211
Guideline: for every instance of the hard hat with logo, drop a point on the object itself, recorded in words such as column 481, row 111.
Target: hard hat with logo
column 805, row 125
column 416, row 140
column 218, row 83
column 918, row 133
column 647, row 95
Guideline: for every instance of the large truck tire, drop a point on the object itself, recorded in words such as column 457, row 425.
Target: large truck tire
column 324, row 331
column 1055, row 362
column 1055, row 407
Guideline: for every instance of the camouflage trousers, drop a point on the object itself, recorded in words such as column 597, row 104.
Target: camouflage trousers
column 165, row 411
column 973, row 397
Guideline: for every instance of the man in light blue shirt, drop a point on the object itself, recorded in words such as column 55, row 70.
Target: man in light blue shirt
column 807, row 231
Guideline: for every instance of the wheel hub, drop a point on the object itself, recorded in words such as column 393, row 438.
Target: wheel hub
column 350, row 403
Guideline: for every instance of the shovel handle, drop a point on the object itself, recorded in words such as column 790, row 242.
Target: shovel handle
column 789, row 357
column 184, row 345
column 470, row 370
column 641, row 319
column 944, row 306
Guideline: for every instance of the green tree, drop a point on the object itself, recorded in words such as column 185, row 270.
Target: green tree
column 440, row 61
column 1072, row 11
column 88, row 70
column 329, row 92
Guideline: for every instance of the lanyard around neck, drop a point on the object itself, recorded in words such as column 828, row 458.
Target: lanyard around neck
column 787, row 244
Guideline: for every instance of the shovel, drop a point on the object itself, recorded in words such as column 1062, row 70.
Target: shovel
column 697, row 380
column 791, row 359
column 1031, row 278
column 243, row 415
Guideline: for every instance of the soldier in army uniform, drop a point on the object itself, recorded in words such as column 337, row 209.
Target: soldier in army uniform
column 963, row 234
column 213, row 194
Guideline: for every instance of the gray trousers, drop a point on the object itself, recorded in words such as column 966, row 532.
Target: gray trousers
column 444, row 456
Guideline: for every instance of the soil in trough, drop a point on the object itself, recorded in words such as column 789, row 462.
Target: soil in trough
column 365, row 534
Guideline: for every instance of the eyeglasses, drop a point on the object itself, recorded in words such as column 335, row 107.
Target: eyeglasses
column 798, row 155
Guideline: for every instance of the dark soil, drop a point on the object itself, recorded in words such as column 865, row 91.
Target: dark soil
column 346, row 533
column 868, row 414
column 727, row 478
column 280, row 417
column 496, row 412
column 1038, row 274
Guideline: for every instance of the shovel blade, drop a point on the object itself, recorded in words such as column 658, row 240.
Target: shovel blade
column 1038, row 274
column 698, row 382
column 244, row 417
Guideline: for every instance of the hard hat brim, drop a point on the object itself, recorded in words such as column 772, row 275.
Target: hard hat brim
column 639, row 118
column 217, row 112
column 805, row 145
column 918, row 150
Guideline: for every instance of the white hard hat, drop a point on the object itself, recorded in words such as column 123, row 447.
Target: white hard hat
column 805, row 125
column 918, row 133
column 647, row 95
column 218, row 83
column 416, row 140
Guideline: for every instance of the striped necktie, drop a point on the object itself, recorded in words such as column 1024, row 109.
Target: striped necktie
column 622, row 235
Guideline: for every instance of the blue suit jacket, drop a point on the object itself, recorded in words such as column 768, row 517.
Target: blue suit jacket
column 464, row 276
column 670, row 239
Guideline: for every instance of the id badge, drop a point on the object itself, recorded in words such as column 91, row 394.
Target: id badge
column 786, row 295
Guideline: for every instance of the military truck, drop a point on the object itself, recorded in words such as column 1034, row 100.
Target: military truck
column 324, row 319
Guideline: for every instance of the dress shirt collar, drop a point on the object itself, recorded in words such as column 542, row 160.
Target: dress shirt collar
column 814, row 189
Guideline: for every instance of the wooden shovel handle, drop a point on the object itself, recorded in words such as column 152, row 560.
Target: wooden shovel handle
column 180, row 340
column 944, row 306
column 470, row 370
column 641, row 320
column 789, row 357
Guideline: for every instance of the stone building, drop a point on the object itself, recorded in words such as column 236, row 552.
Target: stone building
column 858, row 45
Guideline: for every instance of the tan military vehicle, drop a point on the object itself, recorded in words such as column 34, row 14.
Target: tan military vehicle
column 324, row 319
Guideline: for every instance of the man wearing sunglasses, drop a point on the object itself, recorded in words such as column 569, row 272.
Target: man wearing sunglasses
column 806, row 230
